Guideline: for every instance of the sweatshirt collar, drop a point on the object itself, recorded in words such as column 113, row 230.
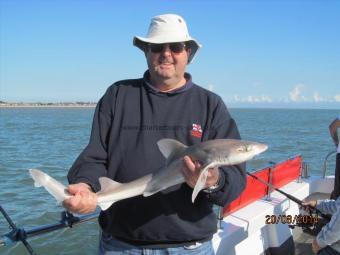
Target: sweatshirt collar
column 150, row 87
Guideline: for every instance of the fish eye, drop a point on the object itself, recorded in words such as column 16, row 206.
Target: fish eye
column 242, row 149
column 245, row 148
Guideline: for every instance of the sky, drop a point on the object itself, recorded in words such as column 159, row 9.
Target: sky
column 264, row 54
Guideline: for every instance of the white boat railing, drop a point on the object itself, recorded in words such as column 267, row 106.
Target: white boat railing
column 325, row 163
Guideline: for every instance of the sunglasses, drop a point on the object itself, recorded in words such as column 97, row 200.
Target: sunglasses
column 177, row 47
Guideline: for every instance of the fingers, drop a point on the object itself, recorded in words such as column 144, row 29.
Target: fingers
column 308, row 205
column 311, row 203
column 191, row 171
column 213, row 177
column 191, row 165
column 81, row 203
column 72, row 203
column 188, row 171
column 72, row 189
column 305, row 207
column 76, row 188
column 83, row 200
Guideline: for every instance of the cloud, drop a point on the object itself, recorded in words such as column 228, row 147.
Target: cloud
column 317, row 97
column 295, row 93
column 211, row 87
column 237, row 98
column 296, row 97
column 253, row 99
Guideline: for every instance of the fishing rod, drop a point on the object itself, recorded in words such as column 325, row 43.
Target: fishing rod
column 296, row 200
column 68, row 220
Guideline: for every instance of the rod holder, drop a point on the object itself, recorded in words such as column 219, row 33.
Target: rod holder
column 270, row 181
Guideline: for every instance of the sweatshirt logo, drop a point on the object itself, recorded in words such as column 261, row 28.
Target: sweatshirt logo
column 196, row 130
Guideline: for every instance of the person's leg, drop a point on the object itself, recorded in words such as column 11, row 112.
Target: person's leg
column 110, row 246
column 336, row 191
column 328, row 251
column 198, row 249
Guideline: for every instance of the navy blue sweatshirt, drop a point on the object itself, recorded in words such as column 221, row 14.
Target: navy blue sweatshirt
column 129, row 120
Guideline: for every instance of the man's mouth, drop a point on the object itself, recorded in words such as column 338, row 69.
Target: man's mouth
column 165, row 63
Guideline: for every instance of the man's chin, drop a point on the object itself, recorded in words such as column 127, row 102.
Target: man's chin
column 165, row 75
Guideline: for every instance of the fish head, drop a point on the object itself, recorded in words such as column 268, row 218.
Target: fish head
column 233, row 152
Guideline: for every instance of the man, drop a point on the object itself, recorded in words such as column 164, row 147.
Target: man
column 333, row 130
column 129, row 120
column 328, row 239
column 327, row 242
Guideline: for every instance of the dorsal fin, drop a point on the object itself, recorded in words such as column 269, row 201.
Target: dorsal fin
column 107, row 184
column 170, row 147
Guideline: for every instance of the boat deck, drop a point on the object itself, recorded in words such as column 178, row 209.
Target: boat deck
column 244, row 228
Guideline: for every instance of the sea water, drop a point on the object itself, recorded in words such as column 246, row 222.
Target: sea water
column 50, row 139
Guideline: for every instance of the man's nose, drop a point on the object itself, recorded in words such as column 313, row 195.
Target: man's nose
column 166, row 49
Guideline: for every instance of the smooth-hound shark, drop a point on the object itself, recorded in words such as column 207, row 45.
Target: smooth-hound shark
column 212, row 153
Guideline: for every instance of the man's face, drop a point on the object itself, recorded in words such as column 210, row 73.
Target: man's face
column 167, row 61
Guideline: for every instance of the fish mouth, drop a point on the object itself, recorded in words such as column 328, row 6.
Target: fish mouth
column 261, row 148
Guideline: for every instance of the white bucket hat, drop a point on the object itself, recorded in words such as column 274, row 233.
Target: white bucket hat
column 168, row 28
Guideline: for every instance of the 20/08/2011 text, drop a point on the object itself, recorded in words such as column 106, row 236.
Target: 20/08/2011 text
column 291, row 219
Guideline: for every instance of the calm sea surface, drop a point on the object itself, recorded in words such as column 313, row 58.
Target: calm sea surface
column 50, row 139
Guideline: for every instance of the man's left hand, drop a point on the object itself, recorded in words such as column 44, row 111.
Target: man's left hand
column 315, row 246
column 191, row 171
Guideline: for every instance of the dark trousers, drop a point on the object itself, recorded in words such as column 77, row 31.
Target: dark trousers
column 336, row 191
column 328, row 251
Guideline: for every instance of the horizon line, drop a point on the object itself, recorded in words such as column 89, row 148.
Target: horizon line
column 89, row 104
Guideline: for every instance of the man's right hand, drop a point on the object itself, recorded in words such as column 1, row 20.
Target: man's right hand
column 83, row 199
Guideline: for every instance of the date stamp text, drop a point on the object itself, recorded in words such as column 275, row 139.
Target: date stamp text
column 291, row 219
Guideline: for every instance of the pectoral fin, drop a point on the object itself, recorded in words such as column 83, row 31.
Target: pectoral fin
column 105, row 205
column 200, row 184
column 107, row 184
column 148, row 193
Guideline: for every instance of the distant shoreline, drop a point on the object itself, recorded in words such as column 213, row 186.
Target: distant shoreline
column 47, row 105
column 93, row 105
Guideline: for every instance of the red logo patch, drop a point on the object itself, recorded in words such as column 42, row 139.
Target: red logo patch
column 196, row 130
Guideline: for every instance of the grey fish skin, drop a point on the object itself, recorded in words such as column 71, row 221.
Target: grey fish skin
column 110, row 192
column 211, row 153
column 55, row 188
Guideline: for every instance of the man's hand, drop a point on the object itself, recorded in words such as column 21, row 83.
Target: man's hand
column 192, row 170
column 315, row 246
column 307, row 204
column 83, row 200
